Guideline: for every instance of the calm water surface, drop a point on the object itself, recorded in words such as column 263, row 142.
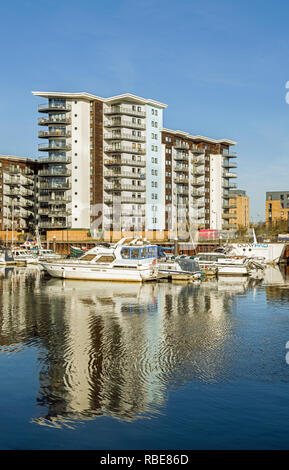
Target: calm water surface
column 87, row 365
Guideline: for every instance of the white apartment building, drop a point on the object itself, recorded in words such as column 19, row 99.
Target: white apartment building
column 103, row 155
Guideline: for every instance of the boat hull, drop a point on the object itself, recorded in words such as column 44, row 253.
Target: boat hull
column 91, row 273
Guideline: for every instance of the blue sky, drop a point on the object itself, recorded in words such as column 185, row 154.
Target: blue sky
column 221, row 66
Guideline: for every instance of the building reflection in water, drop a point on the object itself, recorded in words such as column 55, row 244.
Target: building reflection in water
column 116, row 349
column 277, row 283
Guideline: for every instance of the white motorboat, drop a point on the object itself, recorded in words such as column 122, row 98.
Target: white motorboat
column 23, row 257
column 43, row 254
column 180, row 268
column 232, row 265
column 129, row 263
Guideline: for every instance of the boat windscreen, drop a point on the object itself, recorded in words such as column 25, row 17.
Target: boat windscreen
column 139, row 252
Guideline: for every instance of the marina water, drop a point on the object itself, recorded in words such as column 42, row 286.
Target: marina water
column 91, row 365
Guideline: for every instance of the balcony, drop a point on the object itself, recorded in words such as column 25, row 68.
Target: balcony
column 53, row 172
column 229, row 175
column 124, row 200
column 124, row 174
column 229, row 154
column 229, row 216
column 181, row 156
column 181, row 168
column 54, row 107
column 52, row 159
column 197, row 193
column 198, row 171
column 51, row 146
column 181, row 180
column 182, row 145
column 124, row 136
column 133, row 214
column 181, row 192
column 54, row 213
column 123, row 161
column 198, row 182
column 124, row 123
column 49, row 134
column 54, row 120
column 128, row 110
column 50, row 199
column 229, row 165
column 229, row 185
column 54, row 185
column 199, row 205
column 198, row 161
column 123, row 187
column 125, row 149
column 195, row 149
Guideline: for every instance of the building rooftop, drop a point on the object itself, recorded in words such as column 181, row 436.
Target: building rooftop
column 199, row 138
column 19, row 159
column 90, row 97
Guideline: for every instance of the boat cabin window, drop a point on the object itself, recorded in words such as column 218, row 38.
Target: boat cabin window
column 88, row 257
column 139, row 252
column 105, row 259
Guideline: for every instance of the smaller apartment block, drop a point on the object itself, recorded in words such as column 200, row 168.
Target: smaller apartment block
column 198, row 180
column 277, row 206
column 17, row 193
column 239, row 208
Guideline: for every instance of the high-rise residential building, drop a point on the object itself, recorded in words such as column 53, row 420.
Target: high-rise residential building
column 110, row 165
column 17, row 193
column 239, row 208
column 277, row 206
column 103, row 162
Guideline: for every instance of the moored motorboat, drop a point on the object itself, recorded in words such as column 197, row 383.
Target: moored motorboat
column 127, row 263
column 23, row 257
